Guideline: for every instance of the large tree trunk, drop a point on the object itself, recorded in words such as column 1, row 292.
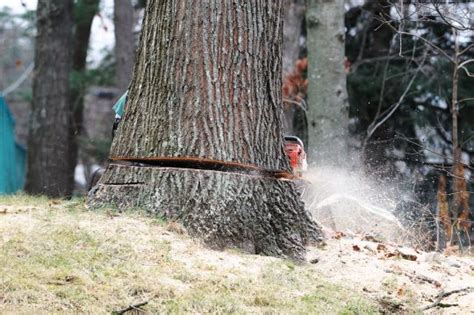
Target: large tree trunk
column 84, row 13
column 49, row 144
column 204, row 119
column 327, row 94
column 124, row 42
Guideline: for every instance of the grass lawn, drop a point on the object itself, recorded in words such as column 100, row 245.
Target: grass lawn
column 58, row 257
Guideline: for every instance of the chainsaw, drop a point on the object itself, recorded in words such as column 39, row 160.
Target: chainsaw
column 294, row 149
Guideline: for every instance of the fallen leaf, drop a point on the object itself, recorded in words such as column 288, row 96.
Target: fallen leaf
column 391, row 254
column 370, row 249
column 381, row 247
column 401, row 292
column 371, row 238
column 407, row 253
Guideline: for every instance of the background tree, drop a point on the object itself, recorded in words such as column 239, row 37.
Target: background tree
column 408, row 97
column 16, row 40
column 327, row 94
column 378, row 77
column 293, row 17
column 84, row 13
column 124, row 42
column 204, row 119
column 295, row 83
column 49, row 142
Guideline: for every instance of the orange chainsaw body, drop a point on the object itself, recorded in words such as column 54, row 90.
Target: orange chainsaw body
column 294, row 149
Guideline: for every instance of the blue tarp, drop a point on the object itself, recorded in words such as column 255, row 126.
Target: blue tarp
column 12, row 155
column 119, row 107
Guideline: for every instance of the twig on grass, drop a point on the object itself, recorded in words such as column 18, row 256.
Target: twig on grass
column 136, row 307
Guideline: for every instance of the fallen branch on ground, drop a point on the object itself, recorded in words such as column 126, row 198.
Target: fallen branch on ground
column 130, row 308
column 441, row 295
column 415, row 277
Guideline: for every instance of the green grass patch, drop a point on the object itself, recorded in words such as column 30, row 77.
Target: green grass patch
column 59, row 257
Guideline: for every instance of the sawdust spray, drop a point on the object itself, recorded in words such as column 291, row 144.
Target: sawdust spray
column 344, row 199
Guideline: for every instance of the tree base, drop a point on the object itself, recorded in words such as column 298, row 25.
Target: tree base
column 259, row 215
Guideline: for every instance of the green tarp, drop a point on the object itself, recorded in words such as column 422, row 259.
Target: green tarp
column 12, row 155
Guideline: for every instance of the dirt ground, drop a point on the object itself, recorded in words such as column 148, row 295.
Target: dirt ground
column 399, row 278
column 367, row 255
column 59, row 257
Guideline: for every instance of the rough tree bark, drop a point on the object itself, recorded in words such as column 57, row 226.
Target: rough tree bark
column 328, row 114
column 51, row 118
column 204, row 119
column 124, row 42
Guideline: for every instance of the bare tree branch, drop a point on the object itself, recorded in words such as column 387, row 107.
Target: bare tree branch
column 468, row 48
column 429, row 43
column 445, row 20
column 463, row 66
column 19, row 81
column 389, row 112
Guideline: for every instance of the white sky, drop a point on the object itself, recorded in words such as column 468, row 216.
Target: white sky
column 102, row 36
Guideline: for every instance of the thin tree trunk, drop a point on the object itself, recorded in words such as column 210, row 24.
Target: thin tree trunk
column 295, row 122
column 204, row 119
column 457, row 168
column 49, row 144
column 327, row 94
column 460, row 209
column 454, row 104
column 84, row 11
column 124, row 42
column 294, row 11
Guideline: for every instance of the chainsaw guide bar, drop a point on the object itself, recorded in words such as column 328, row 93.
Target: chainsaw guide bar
column 204, row 164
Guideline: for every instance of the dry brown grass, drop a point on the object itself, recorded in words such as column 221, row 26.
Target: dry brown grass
column 57, row 257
